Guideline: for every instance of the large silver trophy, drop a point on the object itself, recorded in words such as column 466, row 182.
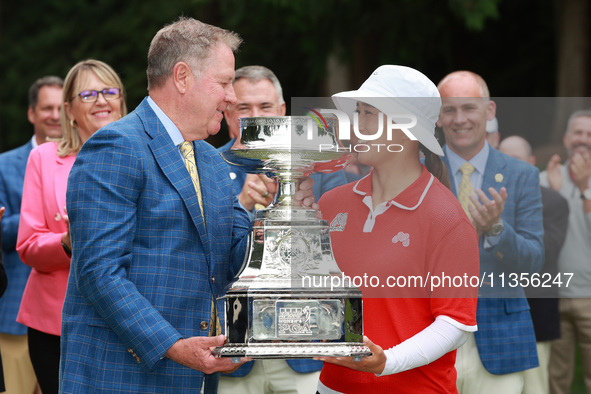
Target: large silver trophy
column 291, row 299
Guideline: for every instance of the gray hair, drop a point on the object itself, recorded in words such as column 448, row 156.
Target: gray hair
column 254, row 74
column 50, row 80
column 186, row 40
column 574, row 115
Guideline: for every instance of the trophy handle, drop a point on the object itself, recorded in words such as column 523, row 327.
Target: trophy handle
column 246, row 256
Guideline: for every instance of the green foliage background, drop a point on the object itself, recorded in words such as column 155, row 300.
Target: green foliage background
column 510, row 43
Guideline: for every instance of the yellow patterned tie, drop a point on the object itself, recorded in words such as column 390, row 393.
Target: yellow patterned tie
column 189, row 155
column 466, row 189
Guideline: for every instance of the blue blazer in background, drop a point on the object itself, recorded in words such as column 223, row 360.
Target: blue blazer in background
column 145, row 265
column 505, row 337
column 12, row 175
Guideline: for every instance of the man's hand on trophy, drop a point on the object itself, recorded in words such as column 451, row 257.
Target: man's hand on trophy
column 195, row 353
column 260, row 189
column 373, row 364
column 304, row 196
column 257, row 189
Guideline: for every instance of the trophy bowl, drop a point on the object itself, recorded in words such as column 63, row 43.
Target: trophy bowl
column 290, row 300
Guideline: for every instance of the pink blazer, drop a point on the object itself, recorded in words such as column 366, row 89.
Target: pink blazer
column 39, row 238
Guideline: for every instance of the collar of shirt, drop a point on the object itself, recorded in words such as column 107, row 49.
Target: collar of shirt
column 171, row 129
column 410, row 198
column 34, row 142
column 478, row 161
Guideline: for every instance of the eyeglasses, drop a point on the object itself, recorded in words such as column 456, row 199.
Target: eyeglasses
column 90, row 96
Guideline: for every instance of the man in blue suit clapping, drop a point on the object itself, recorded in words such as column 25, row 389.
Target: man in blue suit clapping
column 45, row 101
column 502, row 197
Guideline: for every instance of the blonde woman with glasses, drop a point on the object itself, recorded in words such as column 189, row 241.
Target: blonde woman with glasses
column 93, row 96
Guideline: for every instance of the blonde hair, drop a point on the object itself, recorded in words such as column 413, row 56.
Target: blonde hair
column 70, row 143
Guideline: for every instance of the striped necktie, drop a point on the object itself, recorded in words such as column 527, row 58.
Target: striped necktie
column 189, row 155
column 466, row 189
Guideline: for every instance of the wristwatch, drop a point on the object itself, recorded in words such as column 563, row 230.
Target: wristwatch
column 586, row 195
column 67, row 249
column 496, row 229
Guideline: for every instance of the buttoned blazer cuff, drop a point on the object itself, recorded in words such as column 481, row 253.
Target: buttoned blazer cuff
column 154, row 358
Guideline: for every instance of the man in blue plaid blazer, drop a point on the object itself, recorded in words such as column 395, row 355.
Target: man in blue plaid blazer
column 508, row 219
column 147, row 261
column 45, row 100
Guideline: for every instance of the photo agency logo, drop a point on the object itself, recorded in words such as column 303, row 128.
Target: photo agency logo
column 339, row 124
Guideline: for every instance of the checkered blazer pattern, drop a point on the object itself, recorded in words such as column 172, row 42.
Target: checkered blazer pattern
column 12, row 175
column 144, row 267
column 505, row 337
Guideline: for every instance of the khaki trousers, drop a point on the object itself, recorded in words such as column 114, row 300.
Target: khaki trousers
column 575, row 327
column 473, row 378
column 536, row 379
column 19, row 376
column 270, row 376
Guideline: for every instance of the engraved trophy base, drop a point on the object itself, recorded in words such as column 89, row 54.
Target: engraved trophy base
column 293, row 350
column 296, row 323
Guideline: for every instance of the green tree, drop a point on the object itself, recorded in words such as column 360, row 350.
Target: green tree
column 308, row 43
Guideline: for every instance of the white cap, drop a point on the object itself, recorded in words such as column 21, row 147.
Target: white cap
column 492, row 126
column 393, row 89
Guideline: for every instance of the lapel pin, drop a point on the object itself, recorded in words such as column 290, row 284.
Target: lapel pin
column 499, row 177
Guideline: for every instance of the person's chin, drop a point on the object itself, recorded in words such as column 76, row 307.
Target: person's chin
column 366, row 158
column 462, row 141
column 213, row 130
column 582, row 150
column 54, row 134
column 102, row 124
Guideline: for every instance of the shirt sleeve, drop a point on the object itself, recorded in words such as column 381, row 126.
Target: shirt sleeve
column 38, row 245
column 437, row 339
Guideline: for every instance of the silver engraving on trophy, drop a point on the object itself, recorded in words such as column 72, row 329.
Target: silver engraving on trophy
column 268, row 312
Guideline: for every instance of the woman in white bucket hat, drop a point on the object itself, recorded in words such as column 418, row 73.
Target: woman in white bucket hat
column 404, row 239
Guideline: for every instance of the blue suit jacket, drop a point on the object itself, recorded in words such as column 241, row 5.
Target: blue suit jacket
column 322, row 184
column 12, row 175
column 505, row 337
column 145, row 266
